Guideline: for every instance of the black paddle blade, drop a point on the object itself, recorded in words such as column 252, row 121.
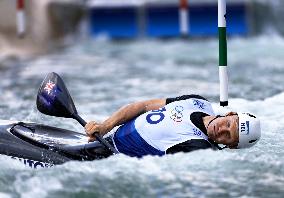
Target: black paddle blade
column 54, row 99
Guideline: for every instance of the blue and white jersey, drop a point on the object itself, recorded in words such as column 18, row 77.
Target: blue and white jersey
column 161, row 129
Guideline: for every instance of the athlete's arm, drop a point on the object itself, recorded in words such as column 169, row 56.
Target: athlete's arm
column 133, row 110
column 184, row 97
column 124, row 114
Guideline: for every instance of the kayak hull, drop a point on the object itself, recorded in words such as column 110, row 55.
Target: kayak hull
column 42, row 145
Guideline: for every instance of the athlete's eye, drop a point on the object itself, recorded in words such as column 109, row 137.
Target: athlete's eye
column 228, row 124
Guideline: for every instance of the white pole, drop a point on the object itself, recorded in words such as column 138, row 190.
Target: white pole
column 183, row 17
column 21, row 22
column 223, row 74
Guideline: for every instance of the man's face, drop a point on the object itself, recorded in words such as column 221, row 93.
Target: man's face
column 224, row 130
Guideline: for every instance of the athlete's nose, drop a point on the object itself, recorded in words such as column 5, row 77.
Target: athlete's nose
column 223, row 128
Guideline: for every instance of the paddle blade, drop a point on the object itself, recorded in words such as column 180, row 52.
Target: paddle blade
column 54, row 99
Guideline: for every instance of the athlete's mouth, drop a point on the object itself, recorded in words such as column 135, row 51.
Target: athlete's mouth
column 214, row 131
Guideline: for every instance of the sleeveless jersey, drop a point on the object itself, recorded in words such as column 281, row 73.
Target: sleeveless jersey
column 163, row 128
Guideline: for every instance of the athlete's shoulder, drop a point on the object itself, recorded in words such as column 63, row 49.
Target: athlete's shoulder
column 185, row 97
column 190, row 145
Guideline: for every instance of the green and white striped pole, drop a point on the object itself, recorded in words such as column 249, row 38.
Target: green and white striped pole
column 223, row 74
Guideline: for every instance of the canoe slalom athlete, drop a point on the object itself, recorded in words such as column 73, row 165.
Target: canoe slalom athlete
column 181, row 124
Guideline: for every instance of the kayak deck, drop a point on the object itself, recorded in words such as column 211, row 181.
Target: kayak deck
column 49, row 136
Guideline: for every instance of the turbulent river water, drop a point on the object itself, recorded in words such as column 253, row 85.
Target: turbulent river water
column 102, row 75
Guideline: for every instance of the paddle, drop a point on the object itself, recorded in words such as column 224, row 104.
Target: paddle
column 54, row 99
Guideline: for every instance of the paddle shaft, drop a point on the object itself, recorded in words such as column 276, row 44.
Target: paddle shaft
column 98, row 137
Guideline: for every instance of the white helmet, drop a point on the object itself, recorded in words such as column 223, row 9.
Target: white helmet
column 249, row 130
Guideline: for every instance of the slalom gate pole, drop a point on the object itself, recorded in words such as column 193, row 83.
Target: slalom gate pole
column 21, row 21
column 223, row 74
column 183, row 18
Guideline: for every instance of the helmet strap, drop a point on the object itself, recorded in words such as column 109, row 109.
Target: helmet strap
column 221, row 148
column 218, row 116
column 217, row 145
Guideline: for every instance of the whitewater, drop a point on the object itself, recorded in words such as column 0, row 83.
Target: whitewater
column 103, row 75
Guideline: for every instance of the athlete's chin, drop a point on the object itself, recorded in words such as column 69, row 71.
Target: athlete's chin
column 214, row 139
column 211, row 135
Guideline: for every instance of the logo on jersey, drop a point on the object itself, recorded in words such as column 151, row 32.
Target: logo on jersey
column 199, row 104
column 49, row 86
column 176, row 114
column 245, row 128
column 197, row 132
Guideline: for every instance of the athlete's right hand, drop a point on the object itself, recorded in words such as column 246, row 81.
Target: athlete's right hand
column 95, row 127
